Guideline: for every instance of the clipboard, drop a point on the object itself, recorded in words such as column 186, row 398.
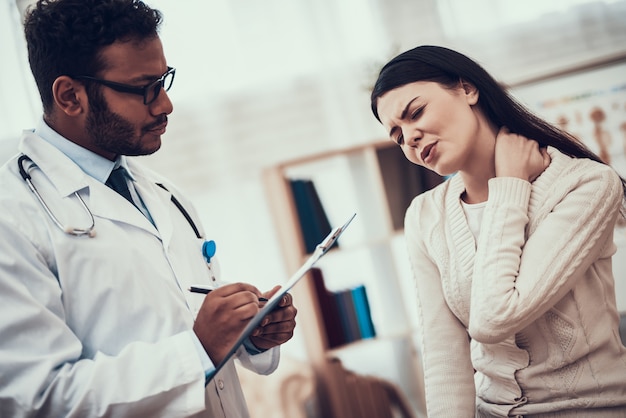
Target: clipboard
column 320, row 250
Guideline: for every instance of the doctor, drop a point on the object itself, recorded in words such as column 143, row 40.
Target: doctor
column 95, row 315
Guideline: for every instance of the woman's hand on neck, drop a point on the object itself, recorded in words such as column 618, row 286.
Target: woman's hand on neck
column 518, row 156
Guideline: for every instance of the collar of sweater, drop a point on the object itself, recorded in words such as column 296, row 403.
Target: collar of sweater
column 541, row 185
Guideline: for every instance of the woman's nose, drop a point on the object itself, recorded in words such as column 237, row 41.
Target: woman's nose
column 411, row 135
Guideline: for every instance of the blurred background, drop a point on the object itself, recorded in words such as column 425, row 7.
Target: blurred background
column 262, row 82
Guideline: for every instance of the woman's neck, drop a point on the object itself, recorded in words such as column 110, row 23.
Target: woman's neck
column 480, row 165
column 476, row 176
column 476, row 191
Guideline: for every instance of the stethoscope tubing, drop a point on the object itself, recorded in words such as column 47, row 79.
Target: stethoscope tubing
column 89, row 231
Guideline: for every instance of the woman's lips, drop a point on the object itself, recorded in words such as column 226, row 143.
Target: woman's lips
column 428, row 153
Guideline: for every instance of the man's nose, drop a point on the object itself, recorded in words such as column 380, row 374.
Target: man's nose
column 162, row 104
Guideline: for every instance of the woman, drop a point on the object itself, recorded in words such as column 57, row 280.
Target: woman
column 511, row 255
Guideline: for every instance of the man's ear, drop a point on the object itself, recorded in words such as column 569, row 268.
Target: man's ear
column 69, row 95
column 471, row 92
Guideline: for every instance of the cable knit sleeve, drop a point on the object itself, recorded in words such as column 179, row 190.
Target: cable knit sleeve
column 448, row 373
column 522, row 269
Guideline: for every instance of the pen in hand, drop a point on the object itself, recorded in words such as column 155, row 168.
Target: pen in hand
column 207, row 290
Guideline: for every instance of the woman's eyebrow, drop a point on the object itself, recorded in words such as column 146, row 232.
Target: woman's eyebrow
column 406, row 108
column 403, row 114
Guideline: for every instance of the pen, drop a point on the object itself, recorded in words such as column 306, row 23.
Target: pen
column 207, row 290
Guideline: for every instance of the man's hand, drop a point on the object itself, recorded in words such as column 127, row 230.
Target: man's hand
column 223, row 316
column 277, row 327
column 518, row 156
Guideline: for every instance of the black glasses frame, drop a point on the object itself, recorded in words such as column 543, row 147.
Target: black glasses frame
column 154, row 87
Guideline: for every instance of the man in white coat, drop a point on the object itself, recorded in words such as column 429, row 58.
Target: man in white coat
column 95, row 314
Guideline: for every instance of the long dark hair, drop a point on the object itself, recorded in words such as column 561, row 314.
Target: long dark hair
column 448, row 67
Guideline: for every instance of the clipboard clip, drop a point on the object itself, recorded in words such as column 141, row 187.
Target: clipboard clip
column 334, row 235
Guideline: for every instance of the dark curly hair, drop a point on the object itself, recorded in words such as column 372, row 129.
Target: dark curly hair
column 65, row 37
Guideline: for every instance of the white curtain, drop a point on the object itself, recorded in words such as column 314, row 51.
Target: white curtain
column 261, row 82
column 520, row 40
column 467, row 18
column 229, row 45
column 19, row 100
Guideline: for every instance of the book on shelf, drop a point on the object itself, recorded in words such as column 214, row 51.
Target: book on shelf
column 346, row 314
column 362, row 311
column 311, row 215
column 328, row 310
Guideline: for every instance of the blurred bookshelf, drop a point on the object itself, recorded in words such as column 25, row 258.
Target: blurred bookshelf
column 367, row 272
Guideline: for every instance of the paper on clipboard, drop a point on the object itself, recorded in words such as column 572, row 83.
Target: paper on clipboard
column 320, row 250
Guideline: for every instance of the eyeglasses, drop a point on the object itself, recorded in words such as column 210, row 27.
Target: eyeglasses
column 149, row 92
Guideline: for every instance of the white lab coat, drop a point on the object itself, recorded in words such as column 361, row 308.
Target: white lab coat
column 101, row 326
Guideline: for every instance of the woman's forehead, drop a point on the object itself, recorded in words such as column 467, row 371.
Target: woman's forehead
column 395, row 101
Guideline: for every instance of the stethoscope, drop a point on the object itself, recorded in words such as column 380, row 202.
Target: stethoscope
column 90, row 230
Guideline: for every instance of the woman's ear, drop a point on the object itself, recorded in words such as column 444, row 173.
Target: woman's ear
column 69, row 95
column 471, row 92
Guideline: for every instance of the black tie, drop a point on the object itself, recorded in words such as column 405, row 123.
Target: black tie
column 117, row 181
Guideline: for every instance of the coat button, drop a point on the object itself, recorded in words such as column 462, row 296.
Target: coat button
column 220, row 384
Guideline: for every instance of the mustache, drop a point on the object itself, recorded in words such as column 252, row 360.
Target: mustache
column 161, row 120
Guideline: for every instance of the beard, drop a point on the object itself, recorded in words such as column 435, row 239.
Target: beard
column 112, row 133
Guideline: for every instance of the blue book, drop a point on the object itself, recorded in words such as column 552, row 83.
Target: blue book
column 362, row 311
column 313, row 219
column 305, row 213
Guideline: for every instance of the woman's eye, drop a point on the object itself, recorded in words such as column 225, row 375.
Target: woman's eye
column 416, row 113
column 399, row 140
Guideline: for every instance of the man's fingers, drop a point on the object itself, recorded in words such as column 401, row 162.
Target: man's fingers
column 272, row 292
column 233, row 288
column 286, row 300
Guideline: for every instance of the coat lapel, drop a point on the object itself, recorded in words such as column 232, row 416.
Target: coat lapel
column 66, row 178
column 158, row 203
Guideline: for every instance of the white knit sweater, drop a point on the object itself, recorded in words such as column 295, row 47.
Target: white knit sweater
column 530, row 306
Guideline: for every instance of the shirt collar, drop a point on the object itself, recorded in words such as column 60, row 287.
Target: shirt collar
column 91, row 163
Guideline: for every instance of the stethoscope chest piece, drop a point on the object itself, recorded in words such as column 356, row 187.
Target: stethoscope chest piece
column 208, row 250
